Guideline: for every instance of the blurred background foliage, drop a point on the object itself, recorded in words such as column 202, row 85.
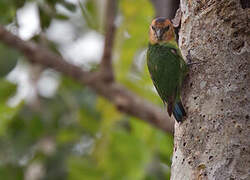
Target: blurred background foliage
column 53, row 128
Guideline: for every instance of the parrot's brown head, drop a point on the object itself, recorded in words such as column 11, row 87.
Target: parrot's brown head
column 161, row 30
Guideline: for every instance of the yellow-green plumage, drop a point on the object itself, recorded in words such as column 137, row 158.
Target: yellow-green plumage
column 167, row 69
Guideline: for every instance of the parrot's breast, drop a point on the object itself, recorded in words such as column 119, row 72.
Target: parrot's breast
column 164, row 65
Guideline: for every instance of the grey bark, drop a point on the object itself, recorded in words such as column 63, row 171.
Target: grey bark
column 214, row 141
column 165, row 8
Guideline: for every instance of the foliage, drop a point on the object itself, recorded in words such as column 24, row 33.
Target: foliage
column 75, row 134
column 8, row 59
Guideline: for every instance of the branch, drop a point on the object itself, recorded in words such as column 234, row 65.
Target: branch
column 106, row 70
column 122, row 98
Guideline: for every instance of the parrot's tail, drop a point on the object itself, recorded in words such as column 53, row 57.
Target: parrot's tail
column 179, row 111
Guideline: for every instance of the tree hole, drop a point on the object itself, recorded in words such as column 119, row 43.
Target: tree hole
column 210, row 157
column 183, row 160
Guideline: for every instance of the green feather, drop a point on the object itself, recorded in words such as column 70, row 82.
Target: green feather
column 167, row 69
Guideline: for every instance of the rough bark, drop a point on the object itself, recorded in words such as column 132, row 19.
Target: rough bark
column 106, row 71
column 213, row 142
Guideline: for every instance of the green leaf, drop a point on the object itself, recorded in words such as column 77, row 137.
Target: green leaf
column 45, row 18
column 67, row 135
column 60, row 16
column 11, row 172
column 82, row 168
column 52, row 3
column 90, row 120
column 131, row 152
column 90, row 14
column 8, row 10
column 8, row 59
column 6, row 116
column 68, row 5
column 19, row 3
column 7, row 89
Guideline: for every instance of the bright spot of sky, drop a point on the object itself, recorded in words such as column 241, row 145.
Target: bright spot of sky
column 20, row 76
column 87, row 49
column 27, row 18
column 48, row 83
column 60, row 32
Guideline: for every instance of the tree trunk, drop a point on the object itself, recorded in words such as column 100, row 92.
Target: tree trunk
column 214, row 141
column 165, row 8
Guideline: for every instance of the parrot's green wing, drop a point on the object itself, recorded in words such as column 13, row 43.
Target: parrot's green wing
column 167, row 69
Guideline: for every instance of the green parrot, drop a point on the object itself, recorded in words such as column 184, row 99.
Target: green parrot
column 166, row 65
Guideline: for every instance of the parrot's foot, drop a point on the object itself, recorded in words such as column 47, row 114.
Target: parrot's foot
column 189, row 60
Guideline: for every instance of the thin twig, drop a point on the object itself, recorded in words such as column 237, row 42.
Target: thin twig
column 123, row 99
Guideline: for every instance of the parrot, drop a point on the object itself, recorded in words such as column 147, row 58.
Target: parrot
column 166, row 65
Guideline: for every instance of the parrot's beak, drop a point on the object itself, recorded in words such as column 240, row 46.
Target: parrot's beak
column 159, row 34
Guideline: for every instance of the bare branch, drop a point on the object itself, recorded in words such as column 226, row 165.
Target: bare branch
column 122, row 98
column 107, row 73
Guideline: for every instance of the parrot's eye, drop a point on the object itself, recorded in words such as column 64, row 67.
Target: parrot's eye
column 153, row 28
column 166, row 29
